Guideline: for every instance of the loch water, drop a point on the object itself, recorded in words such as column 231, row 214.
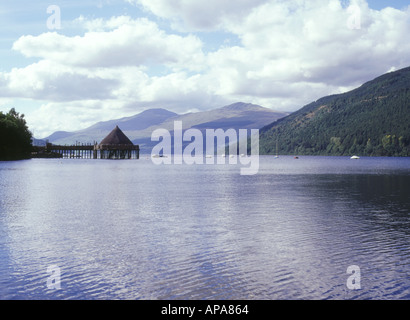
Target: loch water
column 130, row 229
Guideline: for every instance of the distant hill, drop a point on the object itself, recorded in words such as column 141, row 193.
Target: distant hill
column 140, row 127
column 58, row 135
column 38, row 142
column 372, row 120
column 140, row 121
column 98, row 131
column 235, row 116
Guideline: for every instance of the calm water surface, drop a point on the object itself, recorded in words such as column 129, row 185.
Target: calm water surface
column 135, row 230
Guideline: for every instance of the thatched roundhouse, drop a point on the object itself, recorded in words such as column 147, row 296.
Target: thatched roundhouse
column 117, row 146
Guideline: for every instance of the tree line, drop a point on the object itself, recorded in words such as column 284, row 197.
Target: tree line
column 373, row 120
column 15, row 137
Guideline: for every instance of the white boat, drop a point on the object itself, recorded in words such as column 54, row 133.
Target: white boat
column 355, row 157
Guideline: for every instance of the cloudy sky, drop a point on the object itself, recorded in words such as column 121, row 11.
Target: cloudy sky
column 67, row 64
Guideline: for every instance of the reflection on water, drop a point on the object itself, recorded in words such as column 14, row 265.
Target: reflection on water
column 134, row 230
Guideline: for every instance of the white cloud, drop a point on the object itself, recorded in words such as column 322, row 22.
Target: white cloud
column 308, row 45
column 199, row 15
column 290, row 53
column 70, row 116
column 51, row 81
column 119, row 41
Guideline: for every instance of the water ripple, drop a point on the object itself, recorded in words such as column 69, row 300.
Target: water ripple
column 145, row 232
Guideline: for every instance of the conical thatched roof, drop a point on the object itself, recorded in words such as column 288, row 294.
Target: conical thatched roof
column 116, row 137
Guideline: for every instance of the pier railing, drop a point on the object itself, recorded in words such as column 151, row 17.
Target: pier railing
column 86, row 151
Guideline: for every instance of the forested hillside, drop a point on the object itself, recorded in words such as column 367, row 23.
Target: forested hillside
column 372, row 120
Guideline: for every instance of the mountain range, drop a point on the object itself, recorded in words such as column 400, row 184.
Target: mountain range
column 140, row 126
column 372, row 120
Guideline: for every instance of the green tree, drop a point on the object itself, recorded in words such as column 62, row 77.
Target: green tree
column 372, row 120
column 369, row 147
column 15, row 137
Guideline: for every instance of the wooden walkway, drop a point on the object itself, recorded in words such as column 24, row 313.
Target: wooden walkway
column 85, row 152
